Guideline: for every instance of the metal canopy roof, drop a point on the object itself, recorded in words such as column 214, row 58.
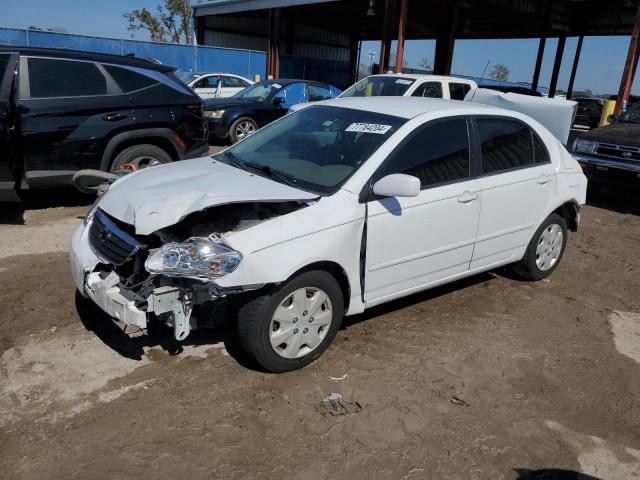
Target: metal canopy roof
column 428, row 18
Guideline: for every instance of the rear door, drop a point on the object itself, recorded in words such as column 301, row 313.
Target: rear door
column 10, row 163
column 230, row 85
column 431, row 89
column 208, row 86
column 517, row 180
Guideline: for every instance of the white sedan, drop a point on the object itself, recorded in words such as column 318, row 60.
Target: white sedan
column 215, row 85
column 344, row 205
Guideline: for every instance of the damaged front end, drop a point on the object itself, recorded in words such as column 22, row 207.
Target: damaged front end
column 168, row 275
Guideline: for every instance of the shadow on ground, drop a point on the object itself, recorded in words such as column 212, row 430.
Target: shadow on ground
column 13, row 212
column 551, row 474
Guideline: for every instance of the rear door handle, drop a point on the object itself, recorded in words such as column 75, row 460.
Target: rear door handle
column 544, row 178
column 114, row 117
column 467, row 197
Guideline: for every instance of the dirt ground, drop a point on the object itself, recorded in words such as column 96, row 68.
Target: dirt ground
column 488, row 378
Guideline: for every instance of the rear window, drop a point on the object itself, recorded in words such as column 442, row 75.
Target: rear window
column 379, row 86
column 64, row 78
column 127, row 80
column 457, row 91
column 505, row 144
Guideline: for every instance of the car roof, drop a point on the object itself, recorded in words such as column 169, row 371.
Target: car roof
column 409, row 107
column 88, row 56
column 422, row 76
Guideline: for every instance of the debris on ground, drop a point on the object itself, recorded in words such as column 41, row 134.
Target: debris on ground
column 335, row 405
column 459, row 401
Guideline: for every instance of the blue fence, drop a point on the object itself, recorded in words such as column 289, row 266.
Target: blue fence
column 247, row 63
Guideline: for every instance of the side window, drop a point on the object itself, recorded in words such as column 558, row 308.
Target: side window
column 318, row 92
column 207, row 82
column 428, row 89
column 292, row 94
column 64, row 78
column 231, row 82
column 334, row 91
column 243, row 83
column 436, row 154
column 457, row 91
column 127, row 80
column 505, row 144
column 540, row 152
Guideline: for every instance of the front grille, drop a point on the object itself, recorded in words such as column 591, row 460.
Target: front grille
column 618, row 151
column 109, row 242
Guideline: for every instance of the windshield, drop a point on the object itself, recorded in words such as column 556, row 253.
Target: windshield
column 259, row 92
column 317, row 148
column 632, row 115
column 186, row 77
column 379, row 86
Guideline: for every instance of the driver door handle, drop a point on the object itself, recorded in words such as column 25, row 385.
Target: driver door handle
column 467, row 197
column 544, row 178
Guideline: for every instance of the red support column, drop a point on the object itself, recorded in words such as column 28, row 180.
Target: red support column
column 387, row 31
column 629, row 66
column 402, row 31
column 276, row 44
column 445, row 43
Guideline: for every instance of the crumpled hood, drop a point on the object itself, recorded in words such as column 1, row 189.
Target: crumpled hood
column 161, row 196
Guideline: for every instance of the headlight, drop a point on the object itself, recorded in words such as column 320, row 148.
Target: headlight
column 92, row 211
column 198, row 257
column 214, row 113
column 581, row 145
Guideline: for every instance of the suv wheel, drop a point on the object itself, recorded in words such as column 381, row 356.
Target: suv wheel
column 242, row 128
column 545, row 249
column 292, row 325
column 142, row 156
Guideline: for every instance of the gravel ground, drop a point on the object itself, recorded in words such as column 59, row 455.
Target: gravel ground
column 490, row 377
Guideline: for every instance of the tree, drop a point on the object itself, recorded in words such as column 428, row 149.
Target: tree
column 392, row 62
column 171, row 23
column 500, row 72
column 425, row 63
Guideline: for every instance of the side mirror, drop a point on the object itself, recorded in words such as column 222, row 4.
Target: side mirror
column 397, row 185
column 612, row 118
column 277, row 101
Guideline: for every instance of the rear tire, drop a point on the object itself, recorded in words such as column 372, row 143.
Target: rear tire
column 291, row 326
column 242, row 128
column 545, row 250
column 143, row 155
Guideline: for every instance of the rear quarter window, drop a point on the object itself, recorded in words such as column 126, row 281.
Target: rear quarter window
column 127, row 80
column 505, row 145
column 64, row 78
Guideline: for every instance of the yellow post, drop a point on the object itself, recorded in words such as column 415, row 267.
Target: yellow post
column 269, row 77
column 607, row 109
column 256, row 78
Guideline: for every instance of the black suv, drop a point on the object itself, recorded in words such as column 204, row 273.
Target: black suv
column 62, row 111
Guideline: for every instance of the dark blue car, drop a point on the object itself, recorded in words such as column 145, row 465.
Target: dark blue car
column 236, row 117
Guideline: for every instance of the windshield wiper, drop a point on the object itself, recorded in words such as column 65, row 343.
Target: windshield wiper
column 271, row 173
column 233, row 160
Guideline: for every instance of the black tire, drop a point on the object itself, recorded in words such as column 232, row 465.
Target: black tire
column 527, row 267
column 254, row 322
column 233, row 136
column 145, row 153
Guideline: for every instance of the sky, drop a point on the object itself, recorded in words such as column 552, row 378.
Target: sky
column 600, row 67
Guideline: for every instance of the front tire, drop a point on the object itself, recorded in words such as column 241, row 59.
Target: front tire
column 242, row 128
column 545, row 249
column 291, row 326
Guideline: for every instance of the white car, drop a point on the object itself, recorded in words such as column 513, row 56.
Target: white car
column 410, row 85
column 344, row 205
column 215, row 85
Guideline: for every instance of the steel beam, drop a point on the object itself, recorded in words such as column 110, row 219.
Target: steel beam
column 445, row 42
column 556, row 66
column 387, row 32
column 536, row 70
column 574, row 68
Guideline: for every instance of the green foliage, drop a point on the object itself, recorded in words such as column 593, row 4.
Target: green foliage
column 171, row 23
column 500, row 72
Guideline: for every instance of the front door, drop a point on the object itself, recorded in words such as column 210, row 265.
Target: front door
column 208, row 87
column 413, row 243
column 517, row 180
column 10, row 162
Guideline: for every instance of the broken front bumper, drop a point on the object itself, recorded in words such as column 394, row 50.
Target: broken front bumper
column 107, row 292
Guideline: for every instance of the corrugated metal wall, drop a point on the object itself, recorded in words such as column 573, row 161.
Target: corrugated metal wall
column 247, row 63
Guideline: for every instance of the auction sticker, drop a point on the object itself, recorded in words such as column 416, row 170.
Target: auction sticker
column 368, row 128
column 404, row 82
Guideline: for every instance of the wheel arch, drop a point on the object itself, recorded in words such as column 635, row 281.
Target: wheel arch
column 163, row 138
column 570, row 211
column 335, row 270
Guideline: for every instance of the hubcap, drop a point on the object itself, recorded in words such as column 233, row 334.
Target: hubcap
column 300, row 322
column 143, row 162
column 549, row 247
column 244, row 129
